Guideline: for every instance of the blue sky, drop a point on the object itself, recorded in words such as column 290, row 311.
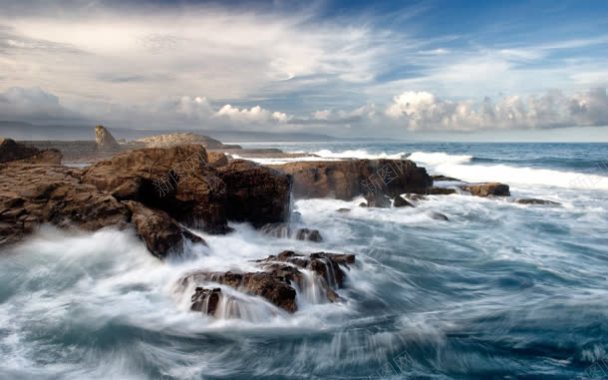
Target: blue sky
column 346, row 68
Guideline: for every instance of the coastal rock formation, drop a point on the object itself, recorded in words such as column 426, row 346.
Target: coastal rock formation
column 33, row 194
column 105, row 141
column 175, row 139
column 348, row 179
column 217, row 159
column 176, row 180
column 440, row 191
column 286, row 231
column 161, row 233
column 443, row 178
column 256, row 194
column 401, row 202
column 277, row 282
column 535, row 201
column 12, row 151
column 488, row 189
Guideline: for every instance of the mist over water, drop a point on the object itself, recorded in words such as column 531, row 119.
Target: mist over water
column 501, row 290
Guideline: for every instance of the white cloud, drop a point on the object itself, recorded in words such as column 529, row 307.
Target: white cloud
column 425, row 111
column 32, row 104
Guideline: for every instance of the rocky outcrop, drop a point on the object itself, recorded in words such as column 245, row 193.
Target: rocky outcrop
column 176, row 139
column 443, row 178
column 256, row 194
column 488, row 189
column 277, row 282
column 351, row 178
column 286, row 231
column 401, row 202
column 440, row 191
column 12, row 151
column 161, row 233
column 33, row 194
column 176, row 180
column 105, row 141
column 534, row 201
column 217, row 159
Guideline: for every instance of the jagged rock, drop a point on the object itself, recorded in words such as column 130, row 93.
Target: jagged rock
column 277, row 280
column 256, row 194
column 534, row 201
column 161, row 233
column 488, row 189
column 285, row 231
column 440, row 191
column 217, row 159
column 415, row 197
column 105, row 141
column 351, row 178
column 309, row 234
column 377, row 200
column 32, row 194
column 14, row 152
column 401, row 202
column 176, row 180
column 206, row 300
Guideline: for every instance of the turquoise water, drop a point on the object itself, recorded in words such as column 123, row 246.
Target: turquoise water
column 501, row 290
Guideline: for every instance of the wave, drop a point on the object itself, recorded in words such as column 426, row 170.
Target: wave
column 465, row 168
column 359, row 153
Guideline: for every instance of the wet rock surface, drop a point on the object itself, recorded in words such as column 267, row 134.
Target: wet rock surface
column 488, row 189
column 281, row 275
column 14, row 152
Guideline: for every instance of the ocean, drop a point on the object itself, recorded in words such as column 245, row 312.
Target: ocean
column 499, row 291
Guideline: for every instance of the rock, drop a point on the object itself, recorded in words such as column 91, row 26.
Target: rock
column 442, row 178
column 401, row 202
column 308, row 234
column 285, row 231
column 10, row 150
column 534, row 201
column 488, row 189
column 415, row 197
column 274, row 288
column 33, row 194
column 161, row 233
column 439, row 216
column 105, row 141
column 176, row 180
column 377, row 200
column 217, row 159
column 351, row 178
column 44, row 157
column 277, row 280
column 256, row 194
column 175, row 139
column 343, row 210
column 440, row 191
column 206, row 300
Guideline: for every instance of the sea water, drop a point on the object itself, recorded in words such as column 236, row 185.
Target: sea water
column 500, row 290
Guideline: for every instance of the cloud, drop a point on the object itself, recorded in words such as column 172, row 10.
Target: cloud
column 425, row 111
column 33, row 104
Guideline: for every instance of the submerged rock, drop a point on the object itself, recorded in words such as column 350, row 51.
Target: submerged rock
column 443, row 178
column 377, row 200
column 440, row 191
column 534, row 201
column 401, row 202
column 439, row 216
column 286, row 231
column 278, row 280
column 488, row 189
column 351, row 178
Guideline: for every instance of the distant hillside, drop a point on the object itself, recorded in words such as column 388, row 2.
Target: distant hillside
column 26, row 131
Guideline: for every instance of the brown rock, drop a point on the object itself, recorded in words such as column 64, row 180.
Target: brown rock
column 217, row 159
column 488, row 189
column 206, row 300
column 351, row 178
column 401, row 202
column 440, row 191
column 255, row 194
column 10, row 150
column 176, row 180
column 105, row 141
column 161, row 233
column 534, row 201
column 285, row 231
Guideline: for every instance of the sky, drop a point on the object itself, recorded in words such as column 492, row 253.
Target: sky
column 438, row 69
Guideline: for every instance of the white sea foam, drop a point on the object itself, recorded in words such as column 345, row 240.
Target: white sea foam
column 459, row 166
